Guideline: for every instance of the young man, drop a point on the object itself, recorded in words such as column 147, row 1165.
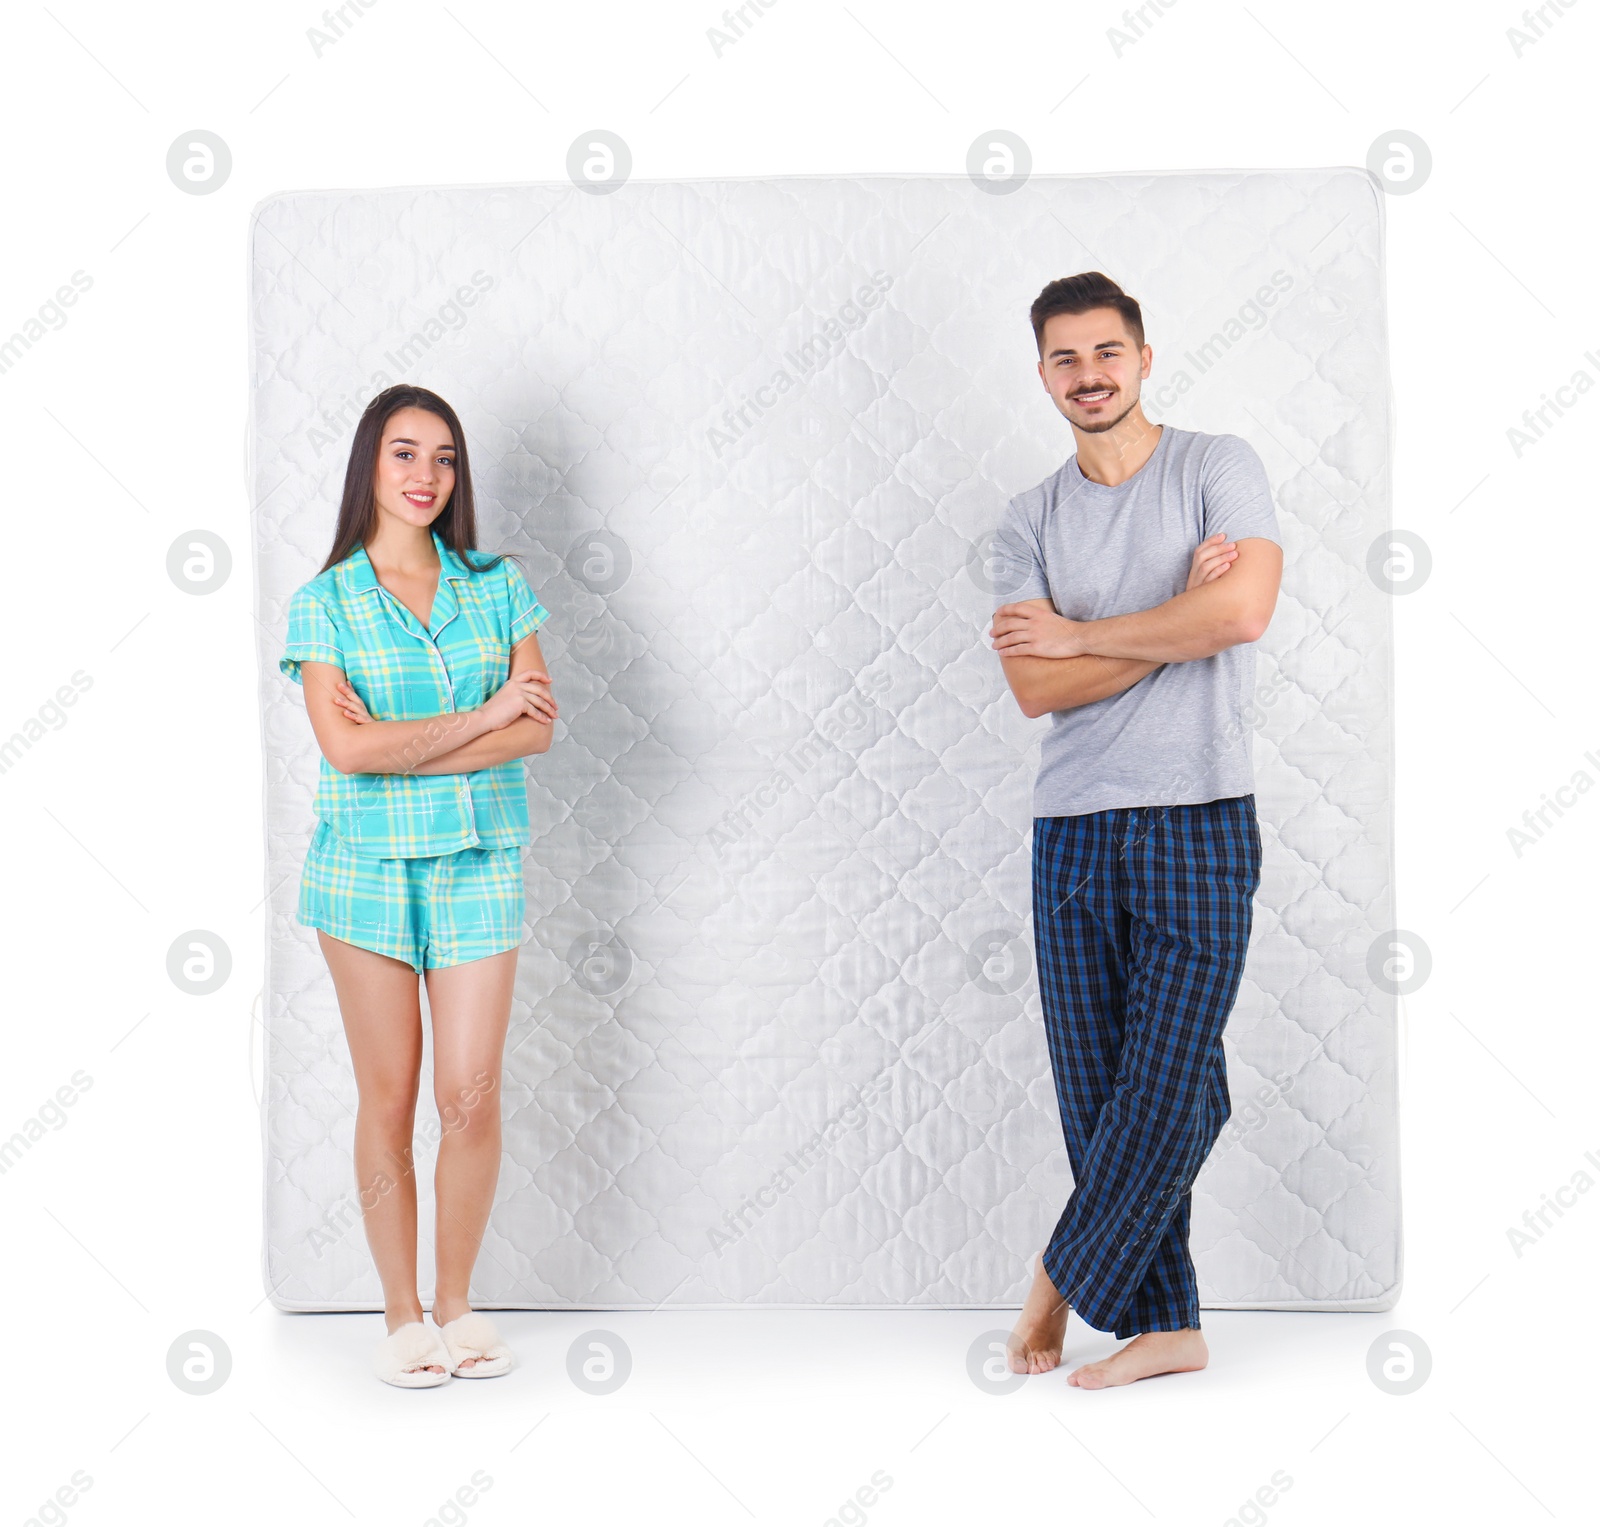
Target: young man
column 1136, row 579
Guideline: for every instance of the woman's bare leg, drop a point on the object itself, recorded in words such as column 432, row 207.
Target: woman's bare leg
column 382, row 1011
column 471, row 1008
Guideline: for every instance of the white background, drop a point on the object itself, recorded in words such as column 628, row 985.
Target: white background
column 135, row 1218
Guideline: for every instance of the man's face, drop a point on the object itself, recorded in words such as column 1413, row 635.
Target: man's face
column 1091, row 368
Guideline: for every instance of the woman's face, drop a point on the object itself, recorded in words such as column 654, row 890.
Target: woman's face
column 416, row 467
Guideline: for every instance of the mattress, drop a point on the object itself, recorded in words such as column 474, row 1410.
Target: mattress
column 776, row 1038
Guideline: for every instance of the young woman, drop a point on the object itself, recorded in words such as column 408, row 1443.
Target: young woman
column 426, row 688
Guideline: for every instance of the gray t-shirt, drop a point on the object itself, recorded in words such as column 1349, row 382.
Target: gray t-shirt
column 1178, row 735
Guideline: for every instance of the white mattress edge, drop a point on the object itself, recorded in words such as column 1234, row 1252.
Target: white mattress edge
column 878, row 175
column 1377, row 1302
column 1396, row 1050
column 264, row 1105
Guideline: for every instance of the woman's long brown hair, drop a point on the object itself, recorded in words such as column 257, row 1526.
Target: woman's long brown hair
column 457, row 523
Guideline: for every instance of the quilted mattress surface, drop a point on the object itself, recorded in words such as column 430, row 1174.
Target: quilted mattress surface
column 776, row 1036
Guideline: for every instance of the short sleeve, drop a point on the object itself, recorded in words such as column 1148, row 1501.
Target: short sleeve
column 313, row 635
column 1016, row 561
column 1234, row 492
column 527, row 614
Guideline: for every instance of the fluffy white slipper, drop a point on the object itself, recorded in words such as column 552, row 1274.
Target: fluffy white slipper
column 474, row 1335
column 411, row 1346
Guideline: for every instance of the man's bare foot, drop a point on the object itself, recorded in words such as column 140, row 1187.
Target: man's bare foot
column 1149, row 1353
column 1035, row 1344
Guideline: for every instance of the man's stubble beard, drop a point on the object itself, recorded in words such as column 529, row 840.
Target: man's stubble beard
column 1110, row 424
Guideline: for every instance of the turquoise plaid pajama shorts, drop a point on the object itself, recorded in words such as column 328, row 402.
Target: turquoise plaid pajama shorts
column 442, row 910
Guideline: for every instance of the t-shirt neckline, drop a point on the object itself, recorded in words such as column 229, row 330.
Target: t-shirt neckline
column 1082, row 482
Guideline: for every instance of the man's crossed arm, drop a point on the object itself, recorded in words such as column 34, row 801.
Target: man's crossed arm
column 1053, row 663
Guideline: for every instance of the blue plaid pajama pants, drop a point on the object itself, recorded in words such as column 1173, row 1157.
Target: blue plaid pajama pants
column 1141, row 919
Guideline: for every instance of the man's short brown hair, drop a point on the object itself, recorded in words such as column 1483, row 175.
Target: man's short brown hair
column 1082, row 294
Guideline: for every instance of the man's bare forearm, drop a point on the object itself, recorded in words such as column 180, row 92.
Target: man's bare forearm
column 1200, row 622
column 1044, row 684
column 522, row 737
column 1197, row 623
